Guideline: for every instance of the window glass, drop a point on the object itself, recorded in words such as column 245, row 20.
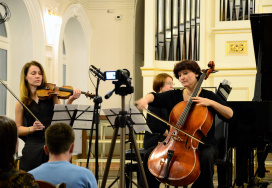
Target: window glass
column 3, row 76
column 64, row 77
column 63, row 48
column 3, row 31
column 3, row 64
column 64, row 74
column 3, row 100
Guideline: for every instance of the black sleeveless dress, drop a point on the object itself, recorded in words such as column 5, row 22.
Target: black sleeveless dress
column 33, row 154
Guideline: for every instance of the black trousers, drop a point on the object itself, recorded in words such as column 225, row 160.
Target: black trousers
column 151, row 179
column 207, row 158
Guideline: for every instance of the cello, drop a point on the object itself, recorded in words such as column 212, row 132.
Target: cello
column 175, row 161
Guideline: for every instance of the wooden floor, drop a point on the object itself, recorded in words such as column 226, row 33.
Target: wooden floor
column 114, row 170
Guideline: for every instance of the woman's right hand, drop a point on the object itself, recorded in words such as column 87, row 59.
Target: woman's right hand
column 37, row 126
column 141, row 104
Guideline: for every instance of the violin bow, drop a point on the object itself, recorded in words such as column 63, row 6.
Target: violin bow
column 154, row 115
column 18, row 99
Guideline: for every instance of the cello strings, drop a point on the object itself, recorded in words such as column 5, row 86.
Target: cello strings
column 154, row 115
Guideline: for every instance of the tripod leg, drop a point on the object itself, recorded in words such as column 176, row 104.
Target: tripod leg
column 139, row 160
column 122, row 157
column 114, row 182
column 107, row 168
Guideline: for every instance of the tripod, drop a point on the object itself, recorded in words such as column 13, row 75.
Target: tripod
column 121, row 122
column 97, row 101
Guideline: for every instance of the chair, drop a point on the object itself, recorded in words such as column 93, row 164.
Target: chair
column 130, row 167
column 18, row 154
column 45, row 184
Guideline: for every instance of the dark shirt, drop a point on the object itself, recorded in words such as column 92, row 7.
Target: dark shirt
column 156, row 126
column 169, row 99
column 33, row 154
column 43, row 110
column 18, row 179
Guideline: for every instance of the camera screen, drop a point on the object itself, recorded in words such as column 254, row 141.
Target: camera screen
column 110, row 75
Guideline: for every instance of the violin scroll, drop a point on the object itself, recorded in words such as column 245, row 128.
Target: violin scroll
column 87, row 94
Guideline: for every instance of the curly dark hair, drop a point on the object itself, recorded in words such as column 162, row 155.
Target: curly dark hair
column 187, row 65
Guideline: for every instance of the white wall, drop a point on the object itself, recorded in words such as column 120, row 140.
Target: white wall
column 22, row 47
column 112, row 47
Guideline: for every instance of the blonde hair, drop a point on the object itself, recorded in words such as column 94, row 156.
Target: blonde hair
column 25, row 93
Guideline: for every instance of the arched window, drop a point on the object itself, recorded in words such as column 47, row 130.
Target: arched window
column 63, row 66
column 3, row 67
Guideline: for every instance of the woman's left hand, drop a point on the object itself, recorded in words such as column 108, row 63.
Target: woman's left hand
column 202, row 101
column 76, row 94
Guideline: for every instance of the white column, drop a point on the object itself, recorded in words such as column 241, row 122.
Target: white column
column 149, row 45
column 149, row 51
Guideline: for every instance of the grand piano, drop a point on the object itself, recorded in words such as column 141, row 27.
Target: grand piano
column 252, row 128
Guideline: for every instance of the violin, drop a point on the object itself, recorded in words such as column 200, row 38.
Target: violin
column 175, row 161
column 64, row 92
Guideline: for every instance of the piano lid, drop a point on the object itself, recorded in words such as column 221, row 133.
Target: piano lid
column 261, row 26
column 252, row 124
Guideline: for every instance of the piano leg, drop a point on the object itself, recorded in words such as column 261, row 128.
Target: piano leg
column 245, row 165
column 224, row 171
column 262, row 152
column 242, row 167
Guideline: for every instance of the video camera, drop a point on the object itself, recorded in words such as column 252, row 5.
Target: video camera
column 122, row 77
column 122, row 74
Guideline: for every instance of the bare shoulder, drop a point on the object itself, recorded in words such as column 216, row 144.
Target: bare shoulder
column 18, row 106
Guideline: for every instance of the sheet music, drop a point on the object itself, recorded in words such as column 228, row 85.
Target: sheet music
column 136, row 116
column 83, row 117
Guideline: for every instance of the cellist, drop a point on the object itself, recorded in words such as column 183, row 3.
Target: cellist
column 162, row 82
column 32, row 77
column 188, row 73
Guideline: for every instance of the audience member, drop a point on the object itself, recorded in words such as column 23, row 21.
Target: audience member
column 9, row 176
column 59, row 145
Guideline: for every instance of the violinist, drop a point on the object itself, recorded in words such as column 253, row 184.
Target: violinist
column 188, row 73
column 32, row 131
column 161, row 83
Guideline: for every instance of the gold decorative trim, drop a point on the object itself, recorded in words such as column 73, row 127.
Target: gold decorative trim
column 155, row 69
column 225, row 75
column 232, row 29
column 239, row 68
column 236, row 48
column 220, row 69
column 265, row 6
column 246, row 89
column 238, row 32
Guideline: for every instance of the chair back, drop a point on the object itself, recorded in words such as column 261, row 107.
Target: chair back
column 45, row 184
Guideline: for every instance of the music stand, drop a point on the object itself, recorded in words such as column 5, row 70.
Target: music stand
column 135, row 117
column 78, row 116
